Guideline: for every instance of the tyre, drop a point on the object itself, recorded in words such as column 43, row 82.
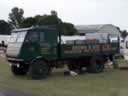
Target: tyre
column 96, row 65
column 22, row 69
column 39, row 70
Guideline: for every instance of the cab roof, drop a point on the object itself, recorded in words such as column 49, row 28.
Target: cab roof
column 35, row 28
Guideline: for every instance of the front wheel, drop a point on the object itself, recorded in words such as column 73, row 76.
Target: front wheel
column 39, row 70
column 96, row 65
column 22, row 69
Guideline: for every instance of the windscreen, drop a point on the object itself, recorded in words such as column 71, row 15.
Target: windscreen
column 17, row 36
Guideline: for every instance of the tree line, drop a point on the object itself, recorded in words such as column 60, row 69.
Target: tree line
column 17, row 20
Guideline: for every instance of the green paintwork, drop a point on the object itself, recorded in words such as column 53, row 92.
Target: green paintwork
column 47, row 49
column 50, row 50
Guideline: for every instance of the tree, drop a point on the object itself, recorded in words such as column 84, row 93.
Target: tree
column 54, row 13
column 124, row 34
column 49, row 20
column 16, row 17
column 5, row 28
column 29, row 22
column 40, row 20
column 68, row 29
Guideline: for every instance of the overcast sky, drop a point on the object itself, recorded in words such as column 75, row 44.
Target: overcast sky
column 75, row 11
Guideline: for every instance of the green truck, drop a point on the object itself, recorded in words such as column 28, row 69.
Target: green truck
column 35, row 51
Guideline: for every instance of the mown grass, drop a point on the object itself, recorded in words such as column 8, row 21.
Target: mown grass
column 110, row 83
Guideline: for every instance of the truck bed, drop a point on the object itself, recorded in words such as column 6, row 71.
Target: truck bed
column 75, row 50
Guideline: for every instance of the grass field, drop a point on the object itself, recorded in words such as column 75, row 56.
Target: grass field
column 110, row 83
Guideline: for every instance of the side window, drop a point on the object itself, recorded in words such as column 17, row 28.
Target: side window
column 42, row 39
column 21, row 36
column 32, row 37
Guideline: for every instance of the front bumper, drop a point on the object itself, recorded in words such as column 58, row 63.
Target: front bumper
column 14, row 60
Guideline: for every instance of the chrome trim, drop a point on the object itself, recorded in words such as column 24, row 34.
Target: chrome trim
column 13, row 59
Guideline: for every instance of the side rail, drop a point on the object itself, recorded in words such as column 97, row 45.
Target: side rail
column 90, row 49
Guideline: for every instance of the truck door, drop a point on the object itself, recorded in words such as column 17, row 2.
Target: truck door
column 31, row 48
column 48, row 44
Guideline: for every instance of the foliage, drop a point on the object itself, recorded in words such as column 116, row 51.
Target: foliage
column 39, row 21
column 68, row 29
column 18, row 21
column 16, row 17
column 47, row 20
column 5, row 28
column 28, row 22
column 124, row 34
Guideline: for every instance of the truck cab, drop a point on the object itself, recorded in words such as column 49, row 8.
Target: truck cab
column 27, row 44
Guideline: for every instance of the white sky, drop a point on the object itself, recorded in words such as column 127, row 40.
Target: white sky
column 75, row 11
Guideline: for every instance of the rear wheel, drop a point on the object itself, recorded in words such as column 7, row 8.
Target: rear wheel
column 39, row 70
column 22, row 69
column 96, row 65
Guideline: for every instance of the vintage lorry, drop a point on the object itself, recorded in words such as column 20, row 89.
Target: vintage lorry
column 35, row 51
